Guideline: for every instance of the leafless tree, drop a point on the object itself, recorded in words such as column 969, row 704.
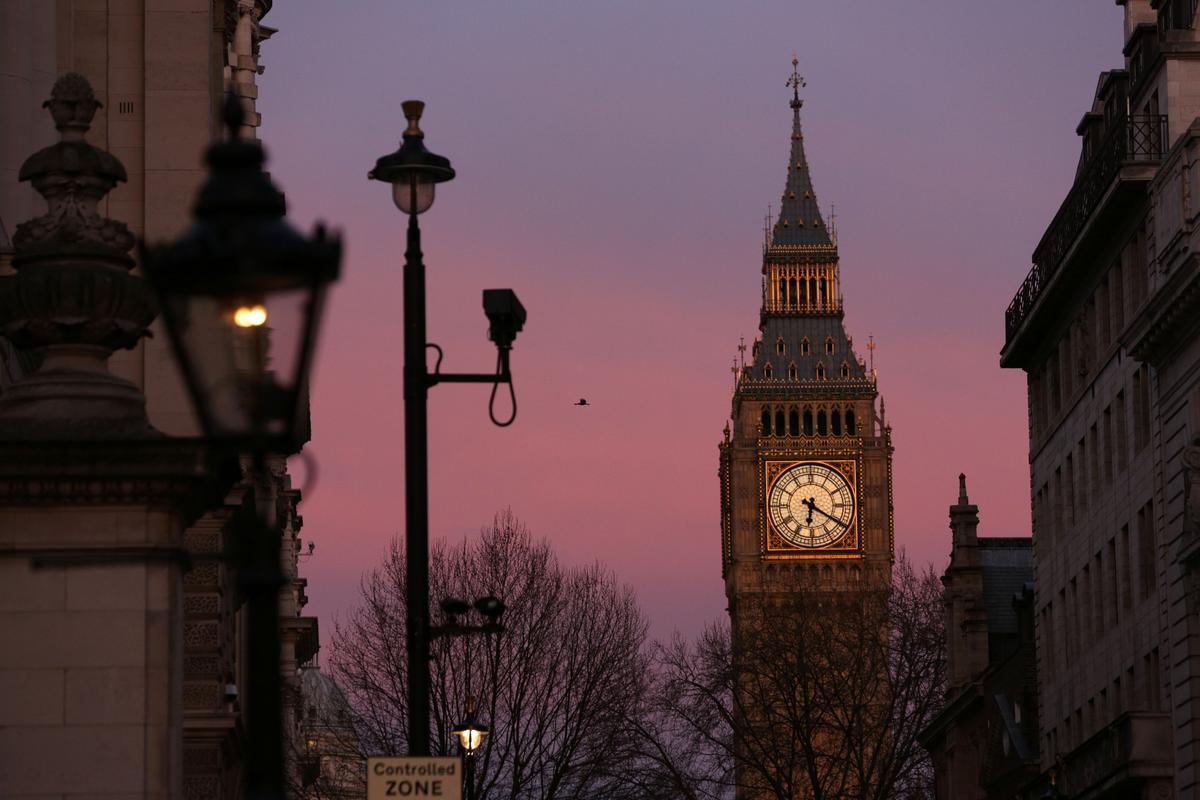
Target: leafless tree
column 556, row 688
column 823, row 698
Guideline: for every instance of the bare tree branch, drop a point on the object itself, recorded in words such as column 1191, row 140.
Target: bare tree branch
column 556, row 688
column 823, row 698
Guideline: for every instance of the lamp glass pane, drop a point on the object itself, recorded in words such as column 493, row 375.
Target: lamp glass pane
column 415, row 196
column 471, row 738
column 243, row 351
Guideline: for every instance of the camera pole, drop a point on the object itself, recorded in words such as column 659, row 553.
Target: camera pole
column 413, row 171
column 416, row 492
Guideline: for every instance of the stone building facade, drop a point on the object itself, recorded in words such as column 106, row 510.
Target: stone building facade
column 984, row 742
column 1106, row 328
column 159, row 71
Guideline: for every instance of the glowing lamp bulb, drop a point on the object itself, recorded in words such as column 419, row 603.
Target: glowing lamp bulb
column 254, row 316
column 471, row 738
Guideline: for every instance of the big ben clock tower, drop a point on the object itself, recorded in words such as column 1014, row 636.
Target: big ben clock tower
column 805, row 467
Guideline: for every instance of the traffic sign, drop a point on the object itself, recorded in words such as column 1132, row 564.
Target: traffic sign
column 414, row 776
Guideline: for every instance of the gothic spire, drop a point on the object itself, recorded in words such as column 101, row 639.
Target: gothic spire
column 799, row 221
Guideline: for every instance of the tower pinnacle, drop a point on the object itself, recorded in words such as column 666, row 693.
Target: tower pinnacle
column 799, row 222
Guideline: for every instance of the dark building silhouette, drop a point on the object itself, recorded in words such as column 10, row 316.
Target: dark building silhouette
column 984, row 743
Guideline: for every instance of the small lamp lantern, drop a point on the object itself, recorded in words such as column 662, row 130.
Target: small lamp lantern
column 470, row 731
column 412, row 170
column 238, row 275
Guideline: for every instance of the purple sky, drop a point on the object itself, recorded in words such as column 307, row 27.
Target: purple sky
column 615, row 161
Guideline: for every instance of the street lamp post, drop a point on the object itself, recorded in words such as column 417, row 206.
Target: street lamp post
column 218, row 286
column 413, row 171
column 471, row 733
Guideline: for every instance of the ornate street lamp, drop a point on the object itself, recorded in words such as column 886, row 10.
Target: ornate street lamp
column 471, row 733
column 219, row 285
column 413, row 171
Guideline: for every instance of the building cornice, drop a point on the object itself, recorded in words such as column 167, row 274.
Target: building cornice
column 1170, row 317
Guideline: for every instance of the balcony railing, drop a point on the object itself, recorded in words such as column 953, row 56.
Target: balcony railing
column 1135, row 139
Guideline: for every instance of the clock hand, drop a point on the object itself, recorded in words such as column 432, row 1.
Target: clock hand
column 809, row 505
column 827, row 516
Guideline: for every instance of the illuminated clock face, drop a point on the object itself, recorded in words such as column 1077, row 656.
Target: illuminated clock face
column 811, row 505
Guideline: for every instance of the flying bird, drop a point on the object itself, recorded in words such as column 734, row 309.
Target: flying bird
column 582, row 402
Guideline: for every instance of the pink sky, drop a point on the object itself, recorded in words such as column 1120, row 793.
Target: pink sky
column 615, row 161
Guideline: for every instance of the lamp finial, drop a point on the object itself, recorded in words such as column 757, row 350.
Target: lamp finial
column 412, row 112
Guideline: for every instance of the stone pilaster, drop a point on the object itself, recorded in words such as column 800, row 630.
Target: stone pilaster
column 93, row 502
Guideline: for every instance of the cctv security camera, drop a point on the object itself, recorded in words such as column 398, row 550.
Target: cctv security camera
column 506, row 316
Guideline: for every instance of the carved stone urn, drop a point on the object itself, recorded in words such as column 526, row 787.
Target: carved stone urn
column 73, row 301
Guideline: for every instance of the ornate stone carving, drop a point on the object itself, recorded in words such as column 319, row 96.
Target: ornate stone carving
column 73, row 176
column 73, row 300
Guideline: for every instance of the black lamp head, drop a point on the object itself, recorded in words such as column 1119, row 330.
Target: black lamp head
column 490, row 607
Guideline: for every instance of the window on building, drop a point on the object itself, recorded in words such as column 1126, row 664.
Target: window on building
column 766, row 422
column 1084, row 482
column 808, row 422
column 1055, row 383
column 1041, row 515
column 1103, row 318
column 1088, row 338
column 1125, row 568
column 766, row 370
column 780, row 428
column 1056, row 503
column 836, row 422
column 829, row 346
column 804, row 346
column 1066, row 361
column 1076, row 617
column 1112, row 589
column 780, row 346
column 1094, row 464
column 845, row 370
column 1065, row 617
column 820, row 372
column 1108, row 445
column 1117, row 298
column 822, row 429
column 1049, row 643
column 794, row 422
column 1037, row 396
column 1147, row 550
column 1069, row 487
column 1139, row 273
column 851, row 428
column 1085, row 606
column 1121, row 440
column 1141, row 408
column 1153, row 681
column 792, row 372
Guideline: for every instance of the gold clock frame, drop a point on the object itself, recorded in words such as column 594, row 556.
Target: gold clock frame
column 774, row 545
